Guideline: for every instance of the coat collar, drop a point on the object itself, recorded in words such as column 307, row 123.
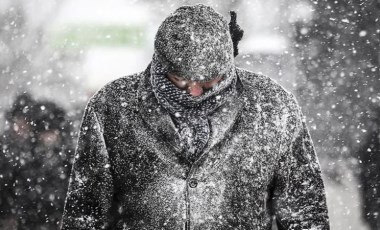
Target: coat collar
column 160, row 123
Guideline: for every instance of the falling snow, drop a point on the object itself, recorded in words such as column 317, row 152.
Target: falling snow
column 246, row 154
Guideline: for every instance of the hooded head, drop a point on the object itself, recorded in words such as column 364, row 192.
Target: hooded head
column 195, row 43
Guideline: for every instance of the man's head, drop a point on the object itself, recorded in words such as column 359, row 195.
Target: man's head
column 196, row 45
column 20, row 116
column 49, row 122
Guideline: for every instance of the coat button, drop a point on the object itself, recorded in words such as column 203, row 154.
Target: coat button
column 193, row 183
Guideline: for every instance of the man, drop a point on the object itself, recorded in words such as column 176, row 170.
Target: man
column 194, row 143
column 35, row 162
column 15, row 143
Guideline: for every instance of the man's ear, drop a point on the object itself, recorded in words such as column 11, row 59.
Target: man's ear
column 236, row 32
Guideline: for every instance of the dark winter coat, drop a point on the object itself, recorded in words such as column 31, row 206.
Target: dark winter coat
column 369, row 156
column 128, row 174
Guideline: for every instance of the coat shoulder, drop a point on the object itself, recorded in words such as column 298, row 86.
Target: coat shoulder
column 119, row 89
column 115, row 97
column 263, row 90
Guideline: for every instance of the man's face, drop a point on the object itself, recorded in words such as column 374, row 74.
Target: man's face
column 194, row 88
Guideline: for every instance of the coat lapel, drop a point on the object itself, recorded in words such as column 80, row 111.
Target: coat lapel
column 222, row 120
column 159, row 121
column 155, row 116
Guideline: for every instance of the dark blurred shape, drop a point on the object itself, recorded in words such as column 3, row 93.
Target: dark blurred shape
column 19, row 128
column 236, row 32
column 36, row 153
column 339, row 65
column 369, row 177
column 21, row 107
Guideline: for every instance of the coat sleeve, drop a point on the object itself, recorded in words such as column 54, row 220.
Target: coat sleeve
column 299, row 197
column 90, row 189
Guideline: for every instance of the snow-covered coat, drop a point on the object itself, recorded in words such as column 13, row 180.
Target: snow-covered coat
column 128, row 174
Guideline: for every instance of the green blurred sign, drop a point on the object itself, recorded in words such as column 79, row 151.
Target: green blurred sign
column 85, row 36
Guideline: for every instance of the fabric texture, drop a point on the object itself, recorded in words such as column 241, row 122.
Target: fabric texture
column 128, row 173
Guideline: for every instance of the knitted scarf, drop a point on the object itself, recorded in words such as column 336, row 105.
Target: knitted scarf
column 190, row 114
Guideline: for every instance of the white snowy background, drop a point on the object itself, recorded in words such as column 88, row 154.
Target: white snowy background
column 64, row 51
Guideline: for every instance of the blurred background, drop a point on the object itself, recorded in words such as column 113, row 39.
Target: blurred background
column 54, row 55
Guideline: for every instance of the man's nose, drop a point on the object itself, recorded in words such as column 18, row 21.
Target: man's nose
column 195, row 89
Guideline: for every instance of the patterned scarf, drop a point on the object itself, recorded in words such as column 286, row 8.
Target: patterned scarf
column 190, row 114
